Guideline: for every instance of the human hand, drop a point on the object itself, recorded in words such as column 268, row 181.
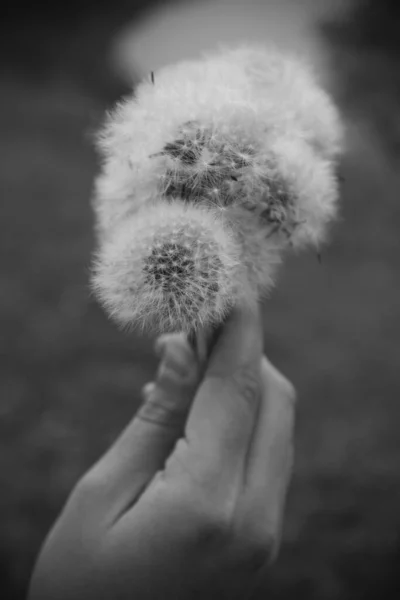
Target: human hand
column 188, row 502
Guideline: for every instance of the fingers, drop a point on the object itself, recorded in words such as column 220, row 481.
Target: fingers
column 221, row 421
column 142, row 449
column 269, row 463
column 178, row 368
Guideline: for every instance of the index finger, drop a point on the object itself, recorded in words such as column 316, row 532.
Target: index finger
column 269, row 461
column 223, row 415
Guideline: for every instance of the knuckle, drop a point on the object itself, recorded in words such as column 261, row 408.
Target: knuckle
column 247, row 382
column 158, row 411
column 214, row 527
column 178, row 365
column 210, row 525
column 257, row 551
column 251, row 551
column 177, row 368
column 167, row 373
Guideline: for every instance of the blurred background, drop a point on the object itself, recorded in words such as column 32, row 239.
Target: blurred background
column 70, row 381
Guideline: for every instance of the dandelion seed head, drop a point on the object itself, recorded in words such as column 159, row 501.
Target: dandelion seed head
column 173, row 273
column 208, row 176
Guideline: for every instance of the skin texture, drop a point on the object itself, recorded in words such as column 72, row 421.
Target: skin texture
column 188, row 502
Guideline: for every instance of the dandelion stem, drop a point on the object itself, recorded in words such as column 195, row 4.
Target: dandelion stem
column 203, row 341
column 199, row 342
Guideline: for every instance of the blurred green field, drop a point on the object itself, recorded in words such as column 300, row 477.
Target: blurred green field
column 70, row 381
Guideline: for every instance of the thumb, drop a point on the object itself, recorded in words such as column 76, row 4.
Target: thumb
column 167, row 400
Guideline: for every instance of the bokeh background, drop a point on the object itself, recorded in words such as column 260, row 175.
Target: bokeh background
column 70, row 380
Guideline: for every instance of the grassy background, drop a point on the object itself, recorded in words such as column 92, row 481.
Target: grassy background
column 70, row 381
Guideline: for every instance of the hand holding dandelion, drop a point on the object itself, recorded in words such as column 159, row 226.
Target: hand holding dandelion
column 211, row 172
column 189, row 500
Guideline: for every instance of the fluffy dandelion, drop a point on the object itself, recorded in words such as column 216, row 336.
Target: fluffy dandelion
column 172, row 267
column 210, row 171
